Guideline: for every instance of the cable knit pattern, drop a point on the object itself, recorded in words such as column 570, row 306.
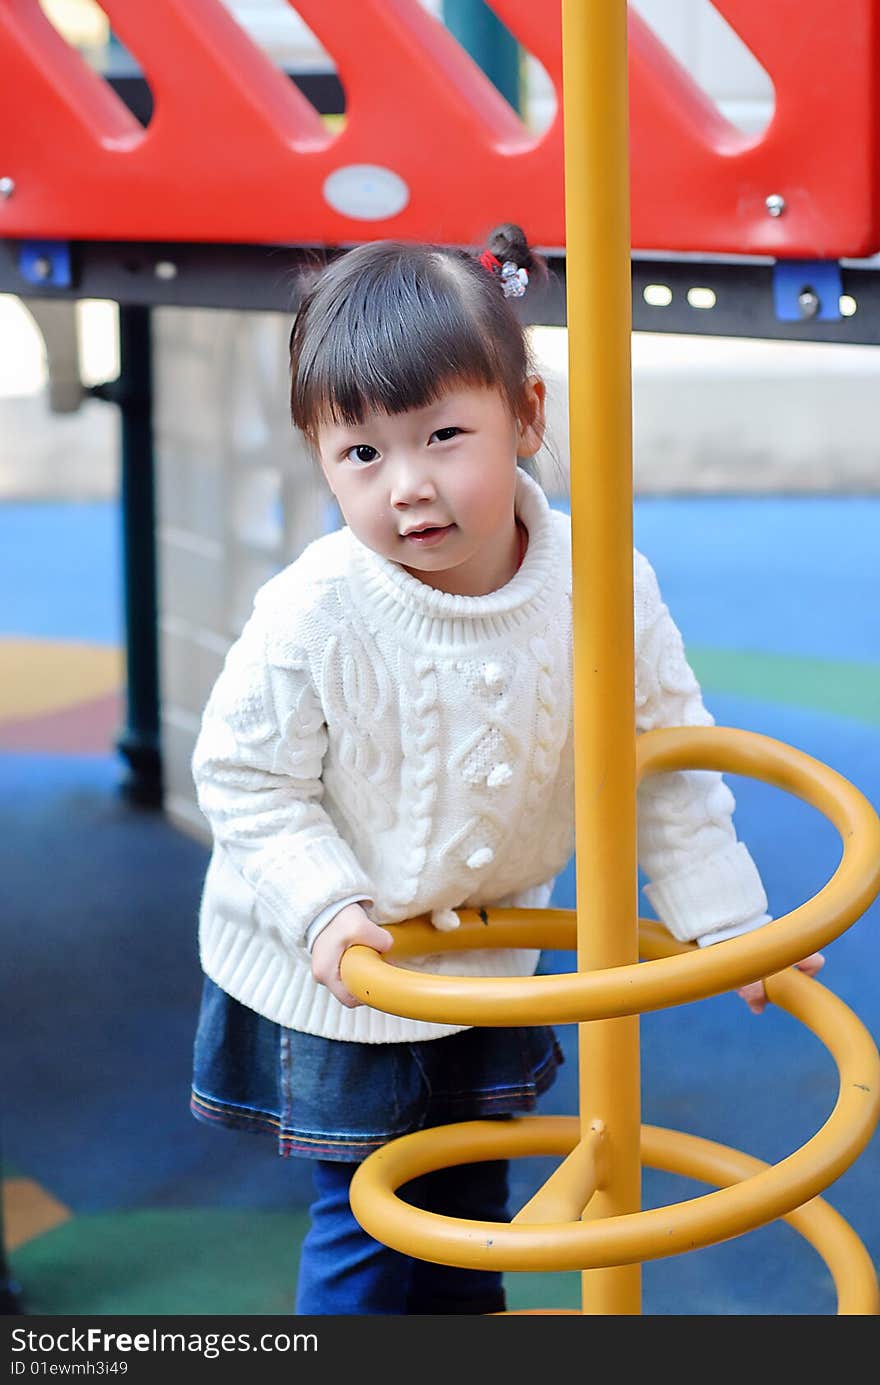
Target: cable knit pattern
column 371, row 737
column 420, row 737
column 356, row 696
column 548, row 722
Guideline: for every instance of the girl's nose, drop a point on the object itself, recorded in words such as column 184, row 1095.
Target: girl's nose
column 410, row 485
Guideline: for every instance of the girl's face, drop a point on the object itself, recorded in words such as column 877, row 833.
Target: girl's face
column 449, row 470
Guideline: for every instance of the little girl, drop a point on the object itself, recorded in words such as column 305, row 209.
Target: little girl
column 391, row 735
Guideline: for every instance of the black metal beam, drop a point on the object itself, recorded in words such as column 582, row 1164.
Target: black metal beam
column 743, row 293
column 270, row 278
column 163, row 274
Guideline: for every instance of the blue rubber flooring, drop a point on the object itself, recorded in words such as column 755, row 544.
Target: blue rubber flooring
column 71, row 555
column 100, row 987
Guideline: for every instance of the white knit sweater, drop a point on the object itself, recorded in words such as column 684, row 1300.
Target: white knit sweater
column 372, row 736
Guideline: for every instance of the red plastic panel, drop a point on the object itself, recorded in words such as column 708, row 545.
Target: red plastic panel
column 700, row 184
column 429, row 149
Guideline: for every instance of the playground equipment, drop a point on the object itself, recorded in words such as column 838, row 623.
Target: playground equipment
column 211, row 201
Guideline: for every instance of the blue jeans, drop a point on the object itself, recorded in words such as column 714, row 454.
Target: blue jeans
column 344, row 1271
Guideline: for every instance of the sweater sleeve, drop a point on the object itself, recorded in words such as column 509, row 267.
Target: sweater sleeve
column 704, row 884
column 257, row 769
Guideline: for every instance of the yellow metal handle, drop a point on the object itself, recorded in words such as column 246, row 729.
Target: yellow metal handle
column 670, row 980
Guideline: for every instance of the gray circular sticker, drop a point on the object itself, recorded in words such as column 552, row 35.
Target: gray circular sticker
column 366, row 191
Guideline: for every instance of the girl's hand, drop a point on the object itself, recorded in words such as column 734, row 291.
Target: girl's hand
column 351, row 925
column 755, row 995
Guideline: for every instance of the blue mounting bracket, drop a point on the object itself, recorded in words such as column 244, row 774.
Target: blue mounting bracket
column 807, row 289
column 45, row 262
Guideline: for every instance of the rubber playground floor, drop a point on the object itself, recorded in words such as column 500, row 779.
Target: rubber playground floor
column 117, row 1201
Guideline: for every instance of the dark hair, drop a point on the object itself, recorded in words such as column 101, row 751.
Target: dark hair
column 508, row 242
column 388, row 326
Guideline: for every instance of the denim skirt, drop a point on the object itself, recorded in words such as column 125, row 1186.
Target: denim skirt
column 331, row 1099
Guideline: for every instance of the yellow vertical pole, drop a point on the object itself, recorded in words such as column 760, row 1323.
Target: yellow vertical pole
column 595, row 94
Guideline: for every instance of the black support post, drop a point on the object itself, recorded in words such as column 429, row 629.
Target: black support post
column 138, row 743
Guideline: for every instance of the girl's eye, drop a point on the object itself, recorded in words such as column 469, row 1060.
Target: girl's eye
column 444, row 434
column 361, row 452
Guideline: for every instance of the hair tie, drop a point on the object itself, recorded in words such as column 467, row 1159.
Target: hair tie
column 514, row 279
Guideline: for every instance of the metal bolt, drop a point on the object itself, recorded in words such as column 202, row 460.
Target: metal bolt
column 42, row 267
column 165, row 270
column 808, row 302
column 7, row 187
column 775, row 204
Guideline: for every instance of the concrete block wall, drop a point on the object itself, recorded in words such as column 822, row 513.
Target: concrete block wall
column 238, row 497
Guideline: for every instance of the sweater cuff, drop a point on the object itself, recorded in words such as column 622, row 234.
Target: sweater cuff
column 327, row 915
column 723, row 891
column 298, row 887
column 734, row 930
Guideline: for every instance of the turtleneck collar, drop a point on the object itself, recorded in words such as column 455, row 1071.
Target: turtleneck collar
column 413, row 607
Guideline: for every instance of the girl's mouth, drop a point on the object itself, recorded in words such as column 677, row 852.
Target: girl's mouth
column 426, row 538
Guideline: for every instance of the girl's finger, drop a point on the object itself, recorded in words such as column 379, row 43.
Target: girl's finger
column 812, row 964
column 343, row 995
column 379, row 939
column 754, row 996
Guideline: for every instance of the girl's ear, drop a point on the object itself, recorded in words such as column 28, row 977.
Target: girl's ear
column 531, row 420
